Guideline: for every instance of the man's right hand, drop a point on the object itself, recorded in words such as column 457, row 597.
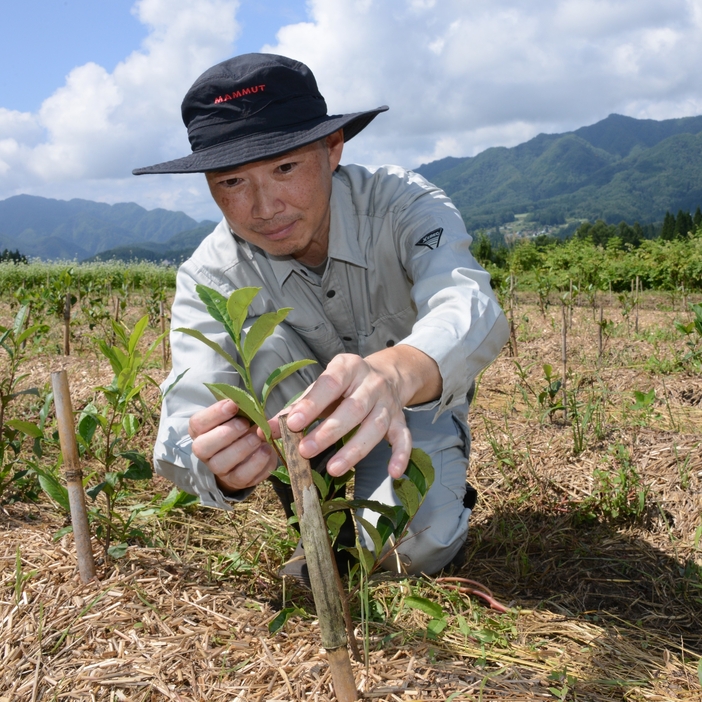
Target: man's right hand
column 230, row 447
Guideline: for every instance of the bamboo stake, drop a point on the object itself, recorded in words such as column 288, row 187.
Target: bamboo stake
column 564, row 359
column 321, row 565
column 67, row 325
column 164, row 346
column 636, row 305
column 570, row 304
column 74, row 475
column 599, row 334
column 512, row 330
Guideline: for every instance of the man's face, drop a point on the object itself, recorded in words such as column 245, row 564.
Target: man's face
column 282, row 205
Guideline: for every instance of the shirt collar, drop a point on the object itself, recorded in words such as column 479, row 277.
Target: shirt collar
column 343, row 234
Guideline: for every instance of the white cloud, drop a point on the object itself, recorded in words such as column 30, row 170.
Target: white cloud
column 101, row 125
column 458, row 76
column 456, row 72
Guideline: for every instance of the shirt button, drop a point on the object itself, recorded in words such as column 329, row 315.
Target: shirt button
column 390, row 343
column 331, row 293
column 347, row 338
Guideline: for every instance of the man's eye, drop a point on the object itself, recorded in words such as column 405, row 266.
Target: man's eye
column 286, row 167
column 231, row 182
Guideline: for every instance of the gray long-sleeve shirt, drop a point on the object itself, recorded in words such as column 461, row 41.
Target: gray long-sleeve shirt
column 399, row 272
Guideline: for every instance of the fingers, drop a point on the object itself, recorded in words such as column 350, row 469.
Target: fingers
column 377, row 426
column 230, row 447
column 211, row 417
column 342, row 375
column 256, row 468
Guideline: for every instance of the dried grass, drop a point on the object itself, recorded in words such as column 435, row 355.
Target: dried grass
column 616, row 605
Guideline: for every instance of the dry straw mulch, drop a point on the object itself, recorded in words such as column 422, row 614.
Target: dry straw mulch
column 615, row 605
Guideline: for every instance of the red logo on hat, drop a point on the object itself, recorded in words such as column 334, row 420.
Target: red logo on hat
column 239, row 93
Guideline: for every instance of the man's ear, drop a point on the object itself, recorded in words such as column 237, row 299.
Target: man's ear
column 335, row 146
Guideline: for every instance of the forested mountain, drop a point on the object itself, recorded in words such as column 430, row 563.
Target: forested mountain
column 618, row 169
column 79, row 229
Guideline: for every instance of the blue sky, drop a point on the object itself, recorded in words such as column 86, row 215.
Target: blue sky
column 42, row 40
column 90, row 89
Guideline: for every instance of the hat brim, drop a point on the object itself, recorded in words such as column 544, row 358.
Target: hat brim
column 264, row 145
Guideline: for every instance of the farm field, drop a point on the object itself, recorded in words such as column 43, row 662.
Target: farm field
column 588, row 531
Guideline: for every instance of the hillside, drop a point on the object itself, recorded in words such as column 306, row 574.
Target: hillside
column 618, row 169
column 51, row 229
column 175, row 250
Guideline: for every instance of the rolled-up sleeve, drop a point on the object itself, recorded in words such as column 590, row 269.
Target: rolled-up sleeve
column 196, row 364
column 459, row 322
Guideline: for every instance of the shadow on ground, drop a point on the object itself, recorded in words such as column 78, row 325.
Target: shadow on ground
column 586, row 569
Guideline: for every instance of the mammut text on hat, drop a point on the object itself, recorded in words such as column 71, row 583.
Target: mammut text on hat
column 253, row 107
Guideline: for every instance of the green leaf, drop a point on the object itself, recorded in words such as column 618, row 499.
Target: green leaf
column 238, row 308
column 424, row 605
column 30, row 332
column 27, row 428
column 214, row 346
column 463, row 625
column 408, row 495
column 282, row 474
column 137, row 333
column 376, row 538
column 216, row 305
column 20, row 319
column 176, row 498
column 57, row 492
column 334, row 523
column 62, row 532
column 436, row 626
column 174, row 383
column 321, row 484
column 139, row 466
column 281, row 620
column 86, row 427
column 341, row 503
column 422, row 462
column 260, row 330
column 280, row 374
column 130, row 424
column 118, row 551
column 365, row 558
column 247, row 405
column 93, row 492
column 385, row 527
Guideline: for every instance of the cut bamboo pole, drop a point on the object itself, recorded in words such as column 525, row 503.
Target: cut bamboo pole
column 321, row 566
column 600, row 334
column 564, row 359
column 67, row 324
column 74, row 475
column 512, row 328
column 636, row 303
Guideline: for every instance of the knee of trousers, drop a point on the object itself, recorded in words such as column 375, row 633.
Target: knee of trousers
column 440, row 527
column 432, row 543
column 282, row 347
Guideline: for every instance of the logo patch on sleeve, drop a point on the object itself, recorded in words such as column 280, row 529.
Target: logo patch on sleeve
column 432, row 239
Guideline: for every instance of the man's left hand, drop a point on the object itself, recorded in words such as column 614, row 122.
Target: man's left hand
column 369, row 393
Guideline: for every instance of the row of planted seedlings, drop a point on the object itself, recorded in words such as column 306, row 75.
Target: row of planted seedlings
column 569, row 395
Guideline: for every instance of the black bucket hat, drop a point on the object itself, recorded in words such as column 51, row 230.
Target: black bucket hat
column 253, row 107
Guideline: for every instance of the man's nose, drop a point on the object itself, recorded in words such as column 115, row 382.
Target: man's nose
column 266, row 202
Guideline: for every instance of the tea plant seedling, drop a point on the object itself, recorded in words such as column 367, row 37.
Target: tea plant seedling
column 411, row 489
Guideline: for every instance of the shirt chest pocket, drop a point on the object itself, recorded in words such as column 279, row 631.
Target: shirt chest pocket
column 387, row 331
column 322, row 340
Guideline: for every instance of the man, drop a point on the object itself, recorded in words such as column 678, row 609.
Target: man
column 385, row 295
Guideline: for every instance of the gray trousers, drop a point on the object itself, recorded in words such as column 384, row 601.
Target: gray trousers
column 439, row 529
